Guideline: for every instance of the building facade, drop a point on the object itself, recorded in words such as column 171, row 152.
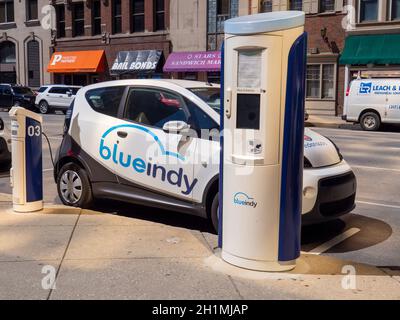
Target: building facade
column 372, row 47
column 24, row 42
column 132, row 34
column 197, row 33
column 324, row 25
column 326, row 35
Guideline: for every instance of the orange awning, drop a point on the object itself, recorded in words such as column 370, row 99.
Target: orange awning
column 77, row 62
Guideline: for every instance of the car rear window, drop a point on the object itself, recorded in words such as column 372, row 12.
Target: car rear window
column 59, row 90
column 105, row 100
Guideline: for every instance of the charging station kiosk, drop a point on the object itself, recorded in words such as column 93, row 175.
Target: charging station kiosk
column 27, row 167
column 263, row 114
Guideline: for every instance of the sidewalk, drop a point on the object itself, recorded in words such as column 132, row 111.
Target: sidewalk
column 328, row 122
column 105, row 256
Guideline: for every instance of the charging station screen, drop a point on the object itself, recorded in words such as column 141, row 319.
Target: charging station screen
column 248, row 111
column 249, row 74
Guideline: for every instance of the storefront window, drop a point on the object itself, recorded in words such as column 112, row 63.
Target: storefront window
column 320, row 81
column 328, row 74
column 6, row 11
column 395, row 10
column 368, row 10
column 32, row 10
column 326, row 5
column 266, row 6
column 313, row 80
column 7, row 52
column 296, row 5
column 218, row 12
column 117, row 17
column 137, row 12
column 190, row 76
column 78, row 19
column 214, row 77
column 33, row 55
column 60, row 17
column 159, row 15
column 96, row 16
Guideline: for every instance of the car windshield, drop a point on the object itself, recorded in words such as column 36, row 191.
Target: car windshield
column 22, row 90
column 210, row 95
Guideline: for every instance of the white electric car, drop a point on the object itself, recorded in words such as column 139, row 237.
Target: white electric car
column 155, row 142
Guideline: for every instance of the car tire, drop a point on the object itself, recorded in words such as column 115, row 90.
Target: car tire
column 370, row 121
column 43, row 107
column 74, row 187
column 214, row 215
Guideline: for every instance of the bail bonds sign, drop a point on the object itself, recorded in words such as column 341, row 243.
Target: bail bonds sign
column 136, row 61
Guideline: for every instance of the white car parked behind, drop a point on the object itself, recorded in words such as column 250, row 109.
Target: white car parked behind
column 55, row 97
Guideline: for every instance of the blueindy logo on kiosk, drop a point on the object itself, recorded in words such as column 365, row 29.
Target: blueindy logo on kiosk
column 242, row 199
column 173, row 177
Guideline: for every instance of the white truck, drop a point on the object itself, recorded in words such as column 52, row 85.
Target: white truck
column 372, row 102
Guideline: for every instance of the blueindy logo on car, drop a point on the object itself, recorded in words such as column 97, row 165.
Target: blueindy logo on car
column 242, row 199
column 139, row 165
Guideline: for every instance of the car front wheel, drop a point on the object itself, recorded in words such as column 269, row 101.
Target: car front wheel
column 73, row 186
column 43, row 107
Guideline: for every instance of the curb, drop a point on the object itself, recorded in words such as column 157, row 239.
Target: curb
column 350, row 126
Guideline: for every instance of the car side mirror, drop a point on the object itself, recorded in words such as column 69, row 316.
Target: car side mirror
column 175, row 126
column 69, row 93
column 1, row 124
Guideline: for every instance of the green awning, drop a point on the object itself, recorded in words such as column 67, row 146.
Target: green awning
column 376, row 49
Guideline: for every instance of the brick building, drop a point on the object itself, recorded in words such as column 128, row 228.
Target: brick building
column 135, row 32
column 372, row 46
column 326, row 35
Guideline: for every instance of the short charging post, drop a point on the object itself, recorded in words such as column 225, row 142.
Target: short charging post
column 263, row 117
column 27, row 167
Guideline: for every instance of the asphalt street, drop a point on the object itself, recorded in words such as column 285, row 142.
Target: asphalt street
column 370, row 234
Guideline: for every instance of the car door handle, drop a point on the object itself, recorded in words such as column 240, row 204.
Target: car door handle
column 122, row 134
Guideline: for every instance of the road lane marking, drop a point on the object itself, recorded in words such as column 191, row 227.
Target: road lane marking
column 334, row 241
column 379, row 204
column 375, row 168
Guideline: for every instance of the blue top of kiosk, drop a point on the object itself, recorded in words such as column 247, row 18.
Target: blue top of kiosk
column 265, row 22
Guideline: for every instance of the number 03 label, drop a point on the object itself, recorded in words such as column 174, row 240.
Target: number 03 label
column 34, row 131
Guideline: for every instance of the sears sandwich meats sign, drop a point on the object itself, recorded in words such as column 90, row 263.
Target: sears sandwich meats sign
column 136, row 61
